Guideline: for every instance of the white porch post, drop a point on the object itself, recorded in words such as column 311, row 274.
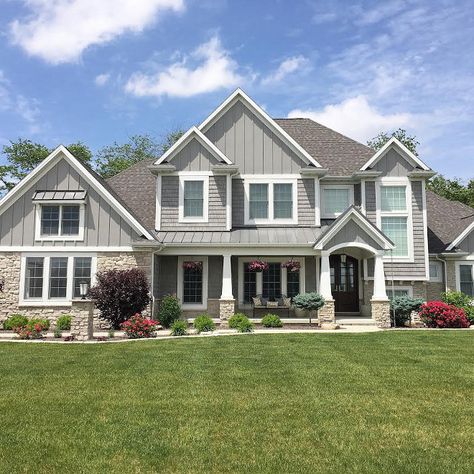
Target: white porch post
column 325, row 278
column 227, row 278
column 380, row 292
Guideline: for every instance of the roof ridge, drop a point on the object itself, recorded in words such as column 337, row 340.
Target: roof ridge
column 140, row 162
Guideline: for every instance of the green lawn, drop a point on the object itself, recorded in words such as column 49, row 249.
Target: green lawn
column 376, row 402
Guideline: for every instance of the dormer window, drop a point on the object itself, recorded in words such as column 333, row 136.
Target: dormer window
column 193, row 198
column 335, row 199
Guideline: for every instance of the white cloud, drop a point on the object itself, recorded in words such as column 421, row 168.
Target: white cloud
column 286, row 67
column 102, row 79
column 215, row 69
column 59, row 31
column 356, row 118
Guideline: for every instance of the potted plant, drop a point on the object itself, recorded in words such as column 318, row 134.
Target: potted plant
column 192, row 266
column 257, row 266
column 291, row 265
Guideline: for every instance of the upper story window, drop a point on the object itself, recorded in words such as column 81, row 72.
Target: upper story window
column 270, row 201
column 393, row 215
column 193, row 198
column 60, row 222
column 335, row 199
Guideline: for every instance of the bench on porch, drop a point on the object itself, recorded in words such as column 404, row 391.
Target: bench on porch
column 278, row 304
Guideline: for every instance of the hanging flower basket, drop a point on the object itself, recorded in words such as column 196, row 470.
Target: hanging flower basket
column 291, row 265
column 192, row 266
column 257, row 266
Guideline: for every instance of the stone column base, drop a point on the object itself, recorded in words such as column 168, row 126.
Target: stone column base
column 381, row 313
column 226, row 310
column 327, row 315
column 82, row 324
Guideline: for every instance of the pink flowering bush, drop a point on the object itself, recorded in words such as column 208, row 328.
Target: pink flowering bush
column 257, row 266
column 31, row 331
column 137, row 327
column 436, row 314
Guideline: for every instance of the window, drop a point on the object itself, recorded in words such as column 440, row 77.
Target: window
column 193, row 198
column 292, row 284
column 395, row 292
column 436, row 273
column 47, row 279
column 270, row 201
column 192, row 285
column 466, row 281
column 335, row 200
column 60, row 222
column 393, row 215
column 250, row 284
column 193, row 282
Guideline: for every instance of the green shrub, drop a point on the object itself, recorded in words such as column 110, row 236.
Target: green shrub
column 43, row 323
column 236, row 319
column 170, row 311
column 204, row 323
column 245, row 326
column 403, row 307
column 179, row 328
column 460, row 300
column 57, row 333
column 64, row 322
column 271, row 321
column 111, row 333
column 309, row 301
column 15, row 321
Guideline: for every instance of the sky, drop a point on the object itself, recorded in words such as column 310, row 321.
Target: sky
column 101, row 71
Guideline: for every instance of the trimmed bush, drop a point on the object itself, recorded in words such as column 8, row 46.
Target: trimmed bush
column 137, row 327
column 170, row 310
column 179, row 328
column 309, row 301
column 245, row 326
column 271, row 321
column 236, row 319
column 204, row 323
column 15, row 321
column 460, row 300
column 437, row 314
column 120, row 294
column 403, row 307
column 64, row 322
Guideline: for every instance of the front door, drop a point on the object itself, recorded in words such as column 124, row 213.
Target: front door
column 344, row 283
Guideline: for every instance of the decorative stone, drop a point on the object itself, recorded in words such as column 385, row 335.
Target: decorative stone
column 327, row 314
column 226, row 310
column 82, row 324
column 381, row 313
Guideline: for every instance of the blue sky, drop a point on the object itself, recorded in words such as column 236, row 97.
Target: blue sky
column 101, row 71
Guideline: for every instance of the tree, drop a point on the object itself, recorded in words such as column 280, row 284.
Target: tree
column 309, row 302
column 400, row 134
column 115, row 158
column 23, row 155
column 453, row 189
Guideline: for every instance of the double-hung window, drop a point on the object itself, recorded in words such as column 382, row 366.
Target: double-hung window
column 436, row 272
column 394, row 207
column 54, row 278
column 335, row 199
column 60, row 222
column 465, row 278
column 193, row 198
column 271, row 201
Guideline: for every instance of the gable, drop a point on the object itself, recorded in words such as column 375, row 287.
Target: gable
column 352, row 232
column 249, row 143
column 393, row 164
column 194, row 157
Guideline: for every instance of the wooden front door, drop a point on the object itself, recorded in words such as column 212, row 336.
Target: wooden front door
column 344, row 283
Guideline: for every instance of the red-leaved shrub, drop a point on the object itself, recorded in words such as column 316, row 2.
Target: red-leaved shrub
column 436, row 314
column 138, row 326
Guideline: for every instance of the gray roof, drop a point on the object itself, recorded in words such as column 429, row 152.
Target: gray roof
column 274, row 236
column 59, row 195
column 341, row 155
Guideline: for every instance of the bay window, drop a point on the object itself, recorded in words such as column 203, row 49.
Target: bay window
column 335, row 199
column 193, row 198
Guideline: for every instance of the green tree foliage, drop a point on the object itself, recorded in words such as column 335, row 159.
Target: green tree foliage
column 453, row 189
column 409, row 141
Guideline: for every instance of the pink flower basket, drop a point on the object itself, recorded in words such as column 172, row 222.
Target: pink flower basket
column 192, row 266
column 291, row 265
column 257, row 266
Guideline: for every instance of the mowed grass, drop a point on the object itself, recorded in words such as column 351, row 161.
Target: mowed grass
column 377, row 402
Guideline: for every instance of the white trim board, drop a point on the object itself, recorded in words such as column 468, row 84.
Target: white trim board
column 59, row 153
column 461, row 236
column 240, row 95
column 205, row 282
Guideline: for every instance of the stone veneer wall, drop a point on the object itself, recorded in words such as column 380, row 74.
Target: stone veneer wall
column 451, row 277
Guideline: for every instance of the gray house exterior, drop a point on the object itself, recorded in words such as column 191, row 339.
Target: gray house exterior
column 324, row 212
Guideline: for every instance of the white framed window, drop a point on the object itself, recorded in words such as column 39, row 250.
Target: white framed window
column 271, row 200
column 465, row 277
column 59, row 221
column 436, row 271
column 395, row 291
column 193, row 198
column 394, row 216
column 54, row 278
column 335, row 199
column 193, row 282
column 270, row 284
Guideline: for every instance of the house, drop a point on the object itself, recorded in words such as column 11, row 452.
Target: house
column 356, row 225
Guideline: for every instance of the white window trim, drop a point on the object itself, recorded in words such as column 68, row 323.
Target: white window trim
column 457, row 265
column 45, row 300
column 59, row 237
column 270, row 182
column 333, row 215
column 396, row 181
column 396, row 287
column 439, row 278
column 205, row 279
column 205, row 188
column 259, row 277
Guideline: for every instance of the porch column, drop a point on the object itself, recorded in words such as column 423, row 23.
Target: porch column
column 327, row 315
column 227, row 301
column 380, row 304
